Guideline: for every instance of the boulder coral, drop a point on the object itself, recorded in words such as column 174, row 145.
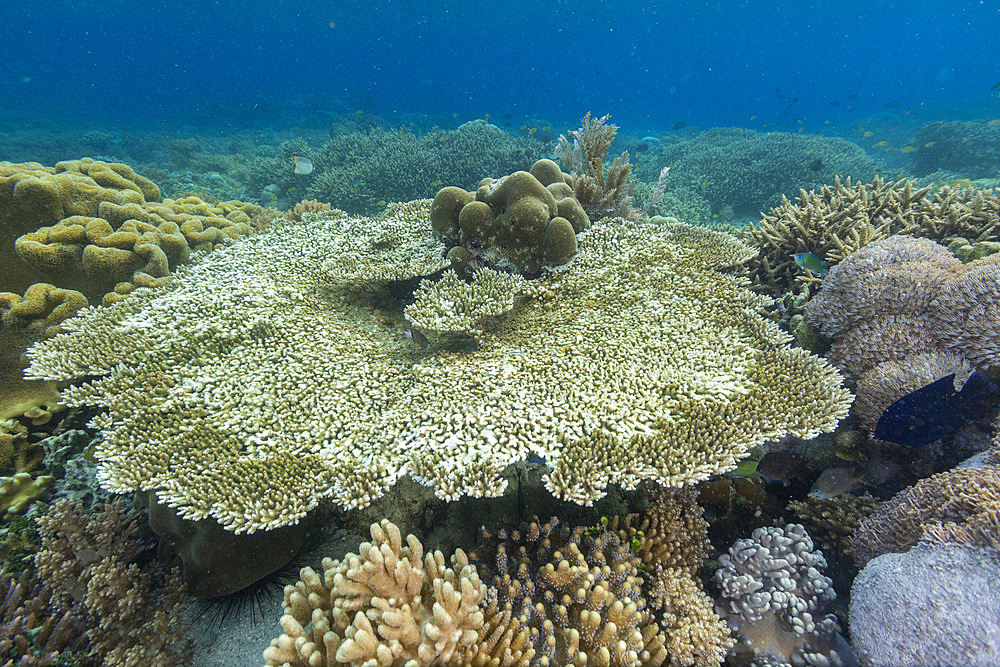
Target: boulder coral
column 515, row 223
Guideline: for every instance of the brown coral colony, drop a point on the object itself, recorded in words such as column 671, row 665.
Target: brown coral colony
column 519, row 223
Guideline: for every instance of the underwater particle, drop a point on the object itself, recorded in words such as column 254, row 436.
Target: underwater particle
column 935, row 411
column 303, row 165
column 836, row 481
column 810, row 262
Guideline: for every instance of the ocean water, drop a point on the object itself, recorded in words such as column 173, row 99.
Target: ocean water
column 650, row 64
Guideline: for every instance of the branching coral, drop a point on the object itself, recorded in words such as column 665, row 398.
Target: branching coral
column 834, row 520
column 837, row 220
column 93, row 567
column 602, row 194
column 388, row 605
column 262, row 380
column 959, row 506
column 774, row 592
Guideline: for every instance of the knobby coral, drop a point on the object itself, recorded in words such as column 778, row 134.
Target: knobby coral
column 263, row 379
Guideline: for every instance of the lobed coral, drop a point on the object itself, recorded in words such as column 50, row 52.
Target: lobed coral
column 773, row 593
column 521, row 222
column 903, row 312
column 264, row 379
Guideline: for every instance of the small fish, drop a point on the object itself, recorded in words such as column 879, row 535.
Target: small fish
column 837, row 481
column 882, row 143
column 486, row 117
column 816, row 165
column 535, row 458
column 436, row 183
column 25, row 79
column 681, row 124
column 781, row 466
column 358, row 112
column 869, row 133
column 935, row 411
column 303, row 165
column 746, row 468
column 996, row 86
column 994, row 122
column 414, row 334
column 532, row 131
column 959, row 183
column 753, row 117
column 907, row 149
column 380, row 202
column 929, row 144
column 811, row 263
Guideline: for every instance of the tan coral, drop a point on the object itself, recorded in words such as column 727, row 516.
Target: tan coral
column 262, row 380
column 387, row 605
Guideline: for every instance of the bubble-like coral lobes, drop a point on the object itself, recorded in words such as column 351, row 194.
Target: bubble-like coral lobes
column 262, row 380
column 774, row 595
column 515, row 223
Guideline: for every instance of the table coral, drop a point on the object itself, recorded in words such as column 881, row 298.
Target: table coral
column 773, row 592
column 262, row 380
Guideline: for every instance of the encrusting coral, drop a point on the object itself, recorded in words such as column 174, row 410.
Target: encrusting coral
column 773, row 593
column 262, row 380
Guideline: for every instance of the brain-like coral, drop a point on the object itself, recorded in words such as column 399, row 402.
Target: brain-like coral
column 520, row 222
column 270, row 376
column 774, row 595
column 94, row 226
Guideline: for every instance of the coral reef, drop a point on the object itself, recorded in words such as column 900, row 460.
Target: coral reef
column 356, row 171
column 266, row 378
column 389, row 605
column 602, row 193
column 959, row 506
column 773, row 593
column 838, row 220
column 32, row 632
column 541, row 594
column 521, row 222
column 969, row 148
column 735, row 168
column 929, row 606
column 98, row 569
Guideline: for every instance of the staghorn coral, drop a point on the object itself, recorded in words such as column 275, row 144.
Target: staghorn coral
column 773, row 593
column 99, row 571
column 262, row 380
column 388, row 605
column 959, row 506
column 838, row 220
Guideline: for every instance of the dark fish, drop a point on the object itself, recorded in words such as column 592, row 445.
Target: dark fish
column 680, row 125
column 535, row 458
column 833, row 482
column 781, row 466
column 816, row 165
column 996, row 86
column 932, row 412
column 853, row 96
column 891, row 105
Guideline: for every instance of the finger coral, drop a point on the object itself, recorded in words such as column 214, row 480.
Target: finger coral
column 266, row 378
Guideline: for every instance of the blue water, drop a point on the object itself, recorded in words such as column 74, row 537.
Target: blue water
column 649, row 64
